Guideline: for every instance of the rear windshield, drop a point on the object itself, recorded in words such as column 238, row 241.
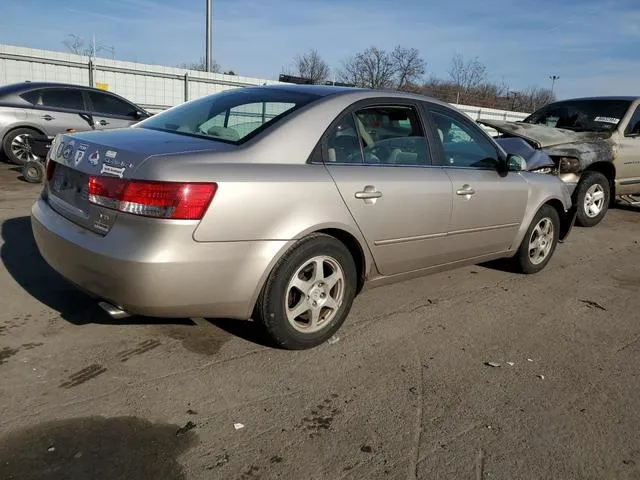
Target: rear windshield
column 233, row 116
column 581, row 115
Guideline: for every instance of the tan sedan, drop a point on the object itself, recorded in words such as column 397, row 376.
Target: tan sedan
column 281, row 203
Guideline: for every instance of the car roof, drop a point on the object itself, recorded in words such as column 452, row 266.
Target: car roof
column 17, row 88
column 355, row 93
column 611, row 97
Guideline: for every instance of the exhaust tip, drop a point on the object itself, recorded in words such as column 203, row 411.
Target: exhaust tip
column 113, row 311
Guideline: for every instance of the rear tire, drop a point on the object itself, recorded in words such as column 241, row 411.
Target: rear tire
column 539, row 242
column 308, row 294
column 592, row 198
column 17, row 148
column 33, row 171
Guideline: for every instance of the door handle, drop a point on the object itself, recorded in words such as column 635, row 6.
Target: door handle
column 466, row 190
column 48, row 117
column 369, row 194
column 103, row 122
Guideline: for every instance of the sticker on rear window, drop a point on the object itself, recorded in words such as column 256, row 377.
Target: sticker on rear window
column 111, row 154
column 78, row 158
column 109, row 170
column 94, row 157
column 606, row 119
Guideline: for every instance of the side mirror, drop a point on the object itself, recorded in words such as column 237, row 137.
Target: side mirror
column 515, row 163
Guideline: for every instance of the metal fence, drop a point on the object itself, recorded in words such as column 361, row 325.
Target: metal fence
column 153, row 87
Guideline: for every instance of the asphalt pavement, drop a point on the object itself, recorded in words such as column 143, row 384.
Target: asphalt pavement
column 406, row 391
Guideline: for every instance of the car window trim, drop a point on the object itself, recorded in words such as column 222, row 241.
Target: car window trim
column 629, row 126
column 429, row 108
column 320, row 151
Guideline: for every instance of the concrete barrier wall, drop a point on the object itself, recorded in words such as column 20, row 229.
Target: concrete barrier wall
column 154, row 87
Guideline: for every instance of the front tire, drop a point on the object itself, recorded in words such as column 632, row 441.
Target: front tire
column 308, row 294
column 540, row 241
column 592, row 198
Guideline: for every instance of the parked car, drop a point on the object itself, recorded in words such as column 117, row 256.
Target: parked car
column 280, row 203
column 47, row 109
column 595, row 147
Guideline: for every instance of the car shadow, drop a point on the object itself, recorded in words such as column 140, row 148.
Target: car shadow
column 22, row 259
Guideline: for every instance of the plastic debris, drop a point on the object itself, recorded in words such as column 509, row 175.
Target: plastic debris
column 238, row 426
column 334, row 339
column 51, row 449
column 492, row 364
column 529, row 360
column 541, row 377
column 511, row 364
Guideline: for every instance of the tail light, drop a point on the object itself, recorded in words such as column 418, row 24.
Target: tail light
column 50, row 166
column 178, row 201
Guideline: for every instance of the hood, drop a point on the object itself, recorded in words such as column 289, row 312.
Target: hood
column 541, row 136
column 120, row 152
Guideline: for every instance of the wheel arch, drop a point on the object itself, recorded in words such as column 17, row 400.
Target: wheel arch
column 566, row 217
column 13, row 128
column 608, row 169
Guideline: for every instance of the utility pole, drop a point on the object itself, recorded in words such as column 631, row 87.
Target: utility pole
column 209, row 58
column 553, row 79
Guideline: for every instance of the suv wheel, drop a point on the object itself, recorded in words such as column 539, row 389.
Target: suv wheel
column 592, row 198
column 16, row 145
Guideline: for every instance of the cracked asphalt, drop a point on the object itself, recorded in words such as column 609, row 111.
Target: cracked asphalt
column 405, row 392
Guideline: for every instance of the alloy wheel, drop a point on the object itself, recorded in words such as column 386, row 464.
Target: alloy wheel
column 541, row 241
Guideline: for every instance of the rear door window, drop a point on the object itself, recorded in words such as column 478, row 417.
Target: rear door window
column 65, row 98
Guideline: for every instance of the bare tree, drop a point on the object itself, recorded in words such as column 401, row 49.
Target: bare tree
column 201, row 66
column 466, row 75
column 532, row 98
column 373, row 68
column 312, row 66
column 77, row 45
column 377, row 68
column 409, row 66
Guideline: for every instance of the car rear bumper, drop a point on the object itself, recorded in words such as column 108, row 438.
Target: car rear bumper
column 156, row 269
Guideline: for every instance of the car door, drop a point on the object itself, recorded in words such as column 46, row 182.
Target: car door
column 59, row 110
column 380, row 159
column 488, row 206
column 627, row 162
column 110, row 111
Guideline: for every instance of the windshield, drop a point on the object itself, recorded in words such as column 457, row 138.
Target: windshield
column 233, row 116
column 581, row 115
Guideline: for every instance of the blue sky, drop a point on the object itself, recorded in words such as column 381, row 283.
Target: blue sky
column 593, row 46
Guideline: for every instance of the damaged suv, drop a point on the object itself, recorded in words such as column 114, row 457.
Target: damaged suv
column 594, row 147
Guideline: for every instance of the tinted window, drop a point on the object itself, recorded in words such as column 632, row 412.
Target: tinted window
column 634, row 122
column 379, row 136
column 462, row 144
column 110, row 105
column 32, row 97
column 231, row 116
column 581, row 115
column 62, row 98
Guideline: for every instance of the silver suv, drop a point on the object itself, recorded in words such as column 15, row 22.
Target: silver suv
column 47, row 109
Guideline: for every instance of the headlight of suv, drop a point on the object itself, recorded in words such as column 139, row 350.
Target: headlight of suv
column 569, row 165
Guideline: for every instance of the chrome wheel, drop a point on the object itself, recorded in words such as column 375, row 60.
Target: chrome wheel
column 314, row 294
column 594, row 200
column 21, row 149
column 541, row 241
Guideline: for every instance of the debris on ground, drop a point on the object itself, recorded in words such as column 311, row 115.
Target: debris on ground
column 492, row 364
column 188, row 426
column 366, row 449
column 511, row 364
column 333, row 340
column 541, row 377
column 51, row 449
column 191, row 412
column 221, row 460
column 592, row 304
column 238, row 426
column 529, row 360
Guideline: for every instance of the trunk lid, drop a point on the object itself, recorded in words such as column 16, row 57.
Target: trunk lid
column 116, row 153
